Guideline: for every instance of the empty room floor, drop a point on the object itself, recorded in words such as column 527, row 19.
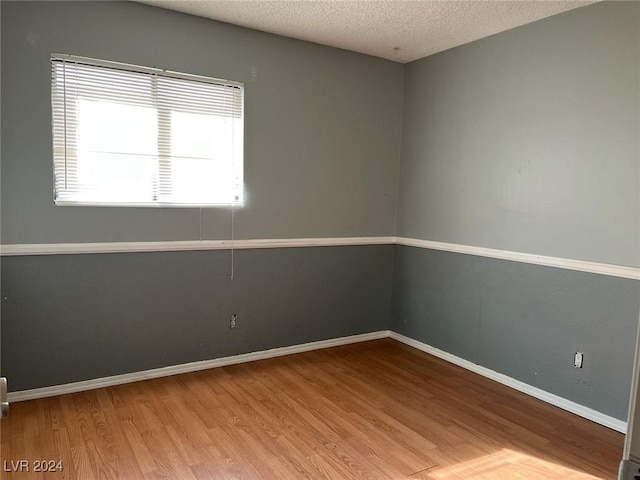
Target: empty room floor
column 373, row 410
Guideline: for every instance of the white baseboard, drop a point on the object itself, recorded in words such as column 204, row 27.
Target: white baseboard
column 187, row 367
column 550, row 398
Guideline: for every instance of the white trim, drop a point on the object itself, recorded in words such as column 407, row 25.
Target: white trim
column 566, row 263
column 550, row 398
column 547, row 397
column 313, row 242
column 173, row 246
column 631, row 449
column 74, row 387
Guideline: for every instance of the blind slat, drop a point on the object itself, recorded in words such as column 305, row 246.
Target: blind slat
column 126, row 137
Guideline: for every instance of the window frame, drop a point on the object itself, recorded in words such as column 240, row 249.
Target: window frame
column 63, row 146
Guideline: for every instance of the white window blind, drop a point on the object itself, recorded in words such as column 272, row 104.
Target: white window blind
column 127, row 135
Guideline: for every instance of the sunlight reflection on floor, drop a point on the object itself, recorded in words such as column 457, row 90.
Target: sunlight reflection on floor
column 506, row 464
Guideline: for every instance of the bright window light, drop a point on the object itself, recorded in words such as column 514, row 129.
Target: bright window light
column 135, row 136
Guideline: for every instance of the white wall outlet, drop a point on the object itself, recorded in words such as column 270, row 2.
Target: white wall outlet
column 577, row 360
column 233, row 320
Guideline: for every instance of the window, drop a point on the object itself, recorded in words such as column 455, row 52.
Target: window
column 127, row 135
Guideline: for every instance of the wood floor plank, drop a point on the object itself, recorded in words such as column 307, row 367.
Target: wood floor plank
column 372, row 410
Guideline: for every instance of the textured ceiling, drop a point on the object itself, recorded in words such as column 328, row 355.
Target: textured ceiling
column 399, row 30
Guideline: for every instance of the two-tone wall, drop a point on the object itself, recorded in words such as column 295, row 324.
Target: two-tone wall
column 527, row 142
column 322, row 143
column 523, row 145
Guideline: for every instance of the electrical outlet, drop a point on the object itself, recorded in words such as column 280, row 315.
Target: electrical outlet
column 233, row 320
column 577, row 360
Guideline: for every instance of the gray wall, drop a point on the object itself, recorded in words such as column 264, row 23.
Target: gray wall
column 322, row 145
column 322, row 126
column 525, row 141
column 68, row 318
column 529, row 140
column 525, row 321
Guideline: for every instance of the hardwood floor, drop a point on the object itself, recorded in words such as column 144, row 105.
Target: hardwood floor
column 374, row 410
